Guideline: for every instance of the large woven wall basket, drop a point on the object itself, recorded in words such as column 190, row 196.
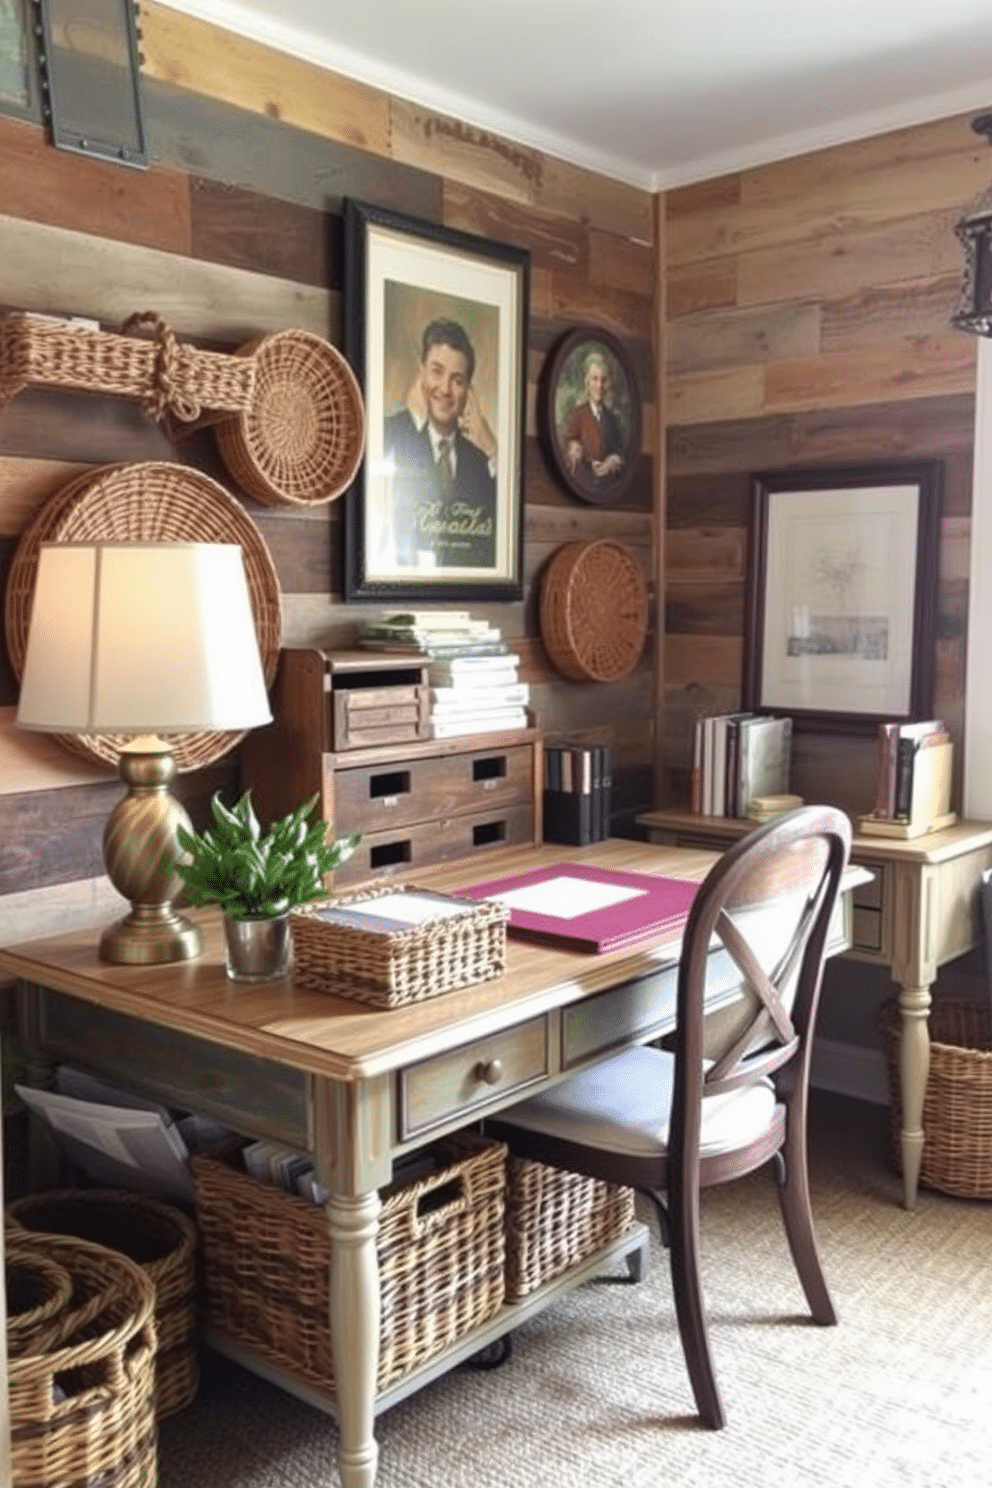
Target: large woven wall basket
column 300, row 440
column 153, row 501
column 594, row 611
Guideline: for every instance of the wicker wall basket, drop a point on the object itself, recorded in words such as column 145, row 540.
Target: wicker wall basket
column 594, row 611
column 83, row 1410
column 393, row 968
column 162, row 1240
column 164, row 375
column 300, row 440
column 440, row 1245
column 556, row 1219
column 154, row 501
column 957, row 1111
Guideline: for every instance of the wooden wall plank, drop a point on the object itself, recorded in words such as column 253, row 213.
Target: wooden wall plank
column 25, row 484
column 52, row 910
column 718, row 395
column 551, row 240
column 706, row 286
column 725, row 338
column 89, row 195
column 903, row 430
column 38, row 762
column 621, row 263
column 222, row 142
column 876, row 372
column 194, row 54
column 921, row 308
column 244, row 230
column 110, row 280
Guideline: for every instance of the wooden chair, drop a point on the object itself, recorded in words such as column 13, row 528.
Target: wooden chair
column 732, row 1095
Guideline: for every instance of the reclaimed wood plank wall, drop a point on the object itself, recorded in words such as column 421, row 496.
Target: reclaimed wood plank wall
column 808, row 325
column 235, row 230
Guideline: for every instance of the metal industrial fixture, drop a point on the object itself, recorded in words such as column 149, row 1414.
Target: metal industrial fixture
column 974, row 311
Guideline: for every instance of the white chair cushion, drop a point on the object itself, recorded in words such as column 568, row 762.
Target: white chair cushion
column 625, row 1104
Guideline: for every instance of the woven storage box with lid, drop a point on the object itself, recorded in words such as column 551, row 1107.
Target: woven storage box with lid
column 440, row 1246
column 389, row 968
column 162, row 1240
column 957, row 1110
column 83, row 1411
column 555, row 1219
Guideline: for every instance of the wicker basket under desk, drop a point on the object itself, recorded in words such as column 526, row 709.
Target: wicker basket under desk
column 555, row 1219
column 440, row 1247
column 391, row 969
column 957, row 1110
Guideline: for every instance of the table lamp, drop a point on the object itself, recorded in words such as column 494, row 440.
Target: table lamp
column 143, row 639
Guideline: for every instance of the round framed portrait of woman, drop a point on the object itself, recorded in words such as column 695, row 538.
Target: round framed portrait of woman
column 590, row 415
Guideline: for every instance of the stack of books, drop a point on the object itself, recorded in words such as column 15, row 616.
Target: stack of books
column 913, row 787
column 577, row 786
column 738, row 759
column 472, row 673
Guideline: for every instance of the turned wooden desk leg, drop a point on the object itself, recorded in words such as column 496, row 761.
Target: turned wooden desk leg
column 914, row 1068
column 353, row 1224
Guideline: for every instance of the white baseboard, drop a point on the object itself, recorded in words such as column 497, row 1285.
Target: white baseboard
column 850, row 1069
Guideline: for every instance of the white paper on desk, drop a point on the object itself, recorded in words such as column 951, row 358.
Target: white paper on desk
column 113, row 1144
column 567, row 898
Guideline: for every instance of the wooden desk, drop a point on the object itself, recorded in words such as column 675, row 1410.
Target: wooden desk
column 921, row 910
column 358, row 1087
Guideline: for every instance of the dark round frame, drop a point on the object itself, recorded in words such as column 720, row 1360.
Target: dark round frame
column 563, row 369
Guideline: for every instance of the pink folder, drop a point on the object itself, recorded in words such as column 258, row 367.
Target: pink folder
column 659, row 906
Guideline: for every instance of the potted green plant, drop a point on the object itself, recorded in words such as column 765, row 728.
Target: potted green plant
column 257, row 876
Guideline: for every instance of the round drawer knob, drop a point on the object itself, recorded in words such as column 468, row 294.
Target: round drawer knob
column 490, row 1071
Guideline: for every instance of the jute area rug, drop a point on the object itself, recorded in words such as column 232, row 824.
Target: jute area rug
column 899, row 1395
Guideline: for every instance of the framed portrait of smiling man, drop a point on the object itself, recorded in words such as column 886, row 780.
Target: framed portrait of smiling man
column 435, row 327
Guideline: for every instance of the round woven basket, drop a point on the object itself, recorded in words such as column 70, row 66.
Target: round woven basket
column 39, row 1291
column 82, row 1411
column 162, row 1240
column 594, row 611
column 150, row 502
column 300, row 440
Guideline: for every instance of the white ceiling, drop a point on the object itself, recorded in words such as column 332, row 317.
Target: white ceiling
column 655, row 92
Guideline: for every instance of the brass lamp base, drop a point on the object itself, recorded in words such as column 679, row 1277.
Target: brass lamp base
column 140, row 850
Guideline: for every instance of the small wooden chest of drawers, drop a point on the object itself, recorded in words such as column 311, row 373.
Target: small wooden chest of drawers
column 416, row 802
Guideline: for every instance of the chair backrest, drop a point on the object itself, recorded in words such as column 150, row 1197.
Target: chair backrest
column 765, row 908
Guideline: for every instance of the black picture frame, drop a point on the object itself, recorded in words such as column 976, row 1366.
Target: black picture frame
column 842, row 593
column 404, row 537
column 594, row 458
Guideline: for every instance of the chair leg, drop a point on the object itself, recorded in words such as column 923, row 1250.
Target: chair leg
column 690, row 1309
column 797, row 1215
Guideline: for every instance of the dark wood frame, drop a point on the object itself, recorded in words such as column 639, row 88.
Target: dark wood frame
column 360, row 583
column 927, row 477
column 576, row 344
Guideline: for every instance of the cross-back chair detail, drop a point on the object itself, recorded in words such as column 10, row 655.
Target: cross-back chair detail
column 672, row 1122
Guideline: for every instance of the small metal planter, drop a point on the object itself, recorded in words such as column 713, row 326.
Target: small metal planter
column 257, row 949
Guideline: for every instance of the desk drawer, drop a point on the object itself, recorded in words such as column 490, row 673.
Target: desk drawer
column 407, row 849
column 383, row 797
column 467, row 1080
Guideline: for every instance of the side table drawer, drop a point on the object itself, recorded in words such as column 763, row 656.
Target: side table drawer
column 406, row 849
column 382, row 797
column 465, row 1081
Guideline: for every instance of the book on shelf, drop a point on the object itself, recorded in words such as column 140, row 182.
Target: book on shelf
column 493, row 722
column 924, row 763
column 452, row 670
column 735, row 757
column 576, row 793
column 439, row 647
column 478, row 693
column 896, row 747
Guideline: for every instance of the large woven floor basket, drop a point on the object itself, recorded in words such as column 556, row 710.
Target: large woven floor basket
column 162, row 1240
column 82, row 1409
column 957, row 1112
column 266, row 1260
column 555, row 1219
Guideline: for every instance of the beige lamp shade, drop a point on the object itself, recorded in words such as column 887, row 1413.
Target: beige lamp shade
column 141, row 638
